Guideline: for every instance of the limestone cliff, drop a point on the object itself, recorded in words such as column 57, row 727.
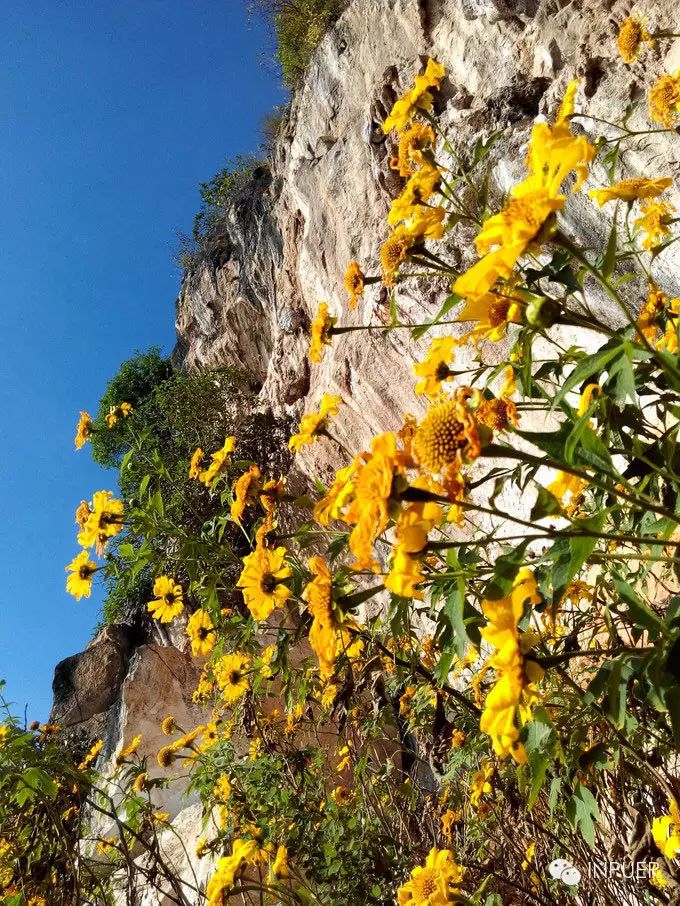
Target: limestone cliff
column 290, row 235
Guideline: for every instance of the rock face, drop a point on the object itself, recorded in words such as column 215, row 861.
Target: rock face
column 331, row 185
column 86, row 685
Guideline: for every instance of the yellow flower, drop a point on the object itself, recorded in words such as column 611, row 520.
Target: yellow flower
column 566, row 108
column 129, row 750
column 631, row 189
column 497, row 414
column 84, row 430
column 345, row 755
column 394, row 252
column 115, row 412
column 104, row 522
column 513, row 694
column 369, row 511
column 554, row 153
column 82, row 570
column 341, row 795
column 417, row 98
column 529, row 855
column 413, row 141
column 201, row 631
column 480, row 784
column 434, row 369
column 433, row 884
column 323, row 631
column 105, row 845
column 666, row 831
column 222, row 788
column 166, row 756
column 244, row 852
column 447, row 436
column 632, row 33
column 417, row 191
column 405, row 575
column 654, row 220
column 82, row 513
column 458, row 738
column 279, row 867
column 338, row 496
column 314, row 423
column 246, row 489
column 569, row 491
column 320, row 333
column 424, row 222
column 493, row 312
column 91, row 755
column 196, row 463
column 202, row 848
column 169, row 601
column 161, row 817
column 262, row 581
column 664, row 100
column 140, row 782
column 231, row 673
column 448, row 819
column 355, row 281
column 218, row 464
column 210, row 735
column 169, row 726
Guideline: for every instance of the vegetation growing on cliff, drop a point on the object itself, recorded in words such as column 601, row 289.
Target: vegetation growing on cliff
column 299, row 26
column 512, row 702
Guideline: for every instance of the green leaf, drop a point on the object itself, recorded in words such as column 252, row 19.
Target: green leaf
column 620, row 384
column 569, row 554
column 449, row 303
column 638, row 612
column 586, row 368
column 546, row 505
column 582, row 813
column 590, row 451
column 672, row 700
column 506, row 568
column 609, row 260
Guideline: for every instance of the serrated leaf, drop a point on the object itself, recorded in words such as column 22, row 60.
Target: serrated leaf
column 586, row 368
column 546, row 505
column 448, row 304
column 638, row 612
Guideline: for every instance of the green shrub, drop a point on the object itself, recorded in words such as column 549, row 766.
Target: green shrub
column 217, row 195
column 299, row 26
column 134, row 383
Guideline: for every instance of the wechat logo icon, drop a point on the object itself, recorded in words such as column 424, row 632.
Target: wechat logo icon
column 564, row 871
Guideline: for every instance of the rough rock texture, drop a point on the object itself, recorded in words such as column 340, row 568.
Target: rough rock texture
column 507, row 62
column 86, row 685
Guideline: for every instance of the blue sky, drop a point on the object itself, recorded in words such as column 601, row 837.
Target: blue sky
column 112, row 113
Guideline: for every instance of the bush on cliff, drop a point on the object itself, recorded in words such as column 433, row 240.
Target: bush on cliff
column 299, row 26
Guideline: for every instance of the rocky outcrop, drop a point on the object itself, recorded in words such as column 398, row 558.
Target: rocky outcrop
column 87, row 685
column 508, row 61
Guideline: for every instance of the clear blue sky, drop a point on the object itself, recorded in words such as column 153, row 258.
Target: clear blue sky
column 112, row 113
